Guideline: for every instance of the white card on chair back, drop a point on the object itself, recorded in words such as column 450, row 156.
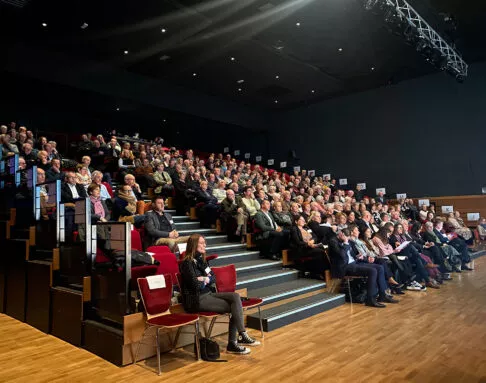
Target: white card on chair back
column 156, row 282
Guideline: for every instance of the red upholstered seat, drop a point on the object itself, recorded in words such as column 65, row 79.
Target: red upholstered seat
column 168, row 265
column 158, row 249
column 251, row 302
column 157, row 302
column 136, row 241
column 226, row 283
column 173, row 320
column 141, row 272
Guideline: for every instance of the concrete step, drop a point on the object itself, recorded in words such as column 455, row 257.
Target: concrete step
column 204, row 232
column 267, row 278
column 235, row 257
column 180, row 218
column 224, row 247
column 275, row 293
column 295, row 311
column 187, row 225
column 216, row 239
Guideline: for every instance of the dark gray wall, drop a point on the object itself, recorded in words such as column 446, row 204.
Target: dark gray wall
column 422, row 137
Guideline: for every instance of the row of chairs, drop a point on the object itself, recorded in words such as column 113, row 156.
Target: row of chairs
column 157, row 302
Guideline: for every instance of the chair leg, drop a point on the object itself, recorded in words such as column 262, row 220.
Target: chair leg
column 261, row 323
column 211, row 325
column 196, row 339
column 349, row 291
column 178, row 333
column 138, row 346
column 158, row 352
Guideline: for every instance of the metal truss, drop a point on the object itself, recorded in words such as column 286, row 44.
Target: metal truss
column 405, row 12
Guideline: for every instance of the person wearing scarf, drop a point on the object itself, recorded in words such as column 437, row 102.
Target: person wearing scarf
column 126, row 207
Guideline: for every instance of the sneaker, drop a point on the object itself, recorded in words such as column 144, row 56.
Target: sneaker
column 246, row 340
column 413, row 287
column 416, row 284
column 234, row 348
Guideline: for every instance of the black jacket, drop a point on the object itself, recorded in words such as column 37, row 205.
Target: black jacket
column 191, row 288
column 155, row 229
column 264, row 224
column 67, row 195
column 323, row 233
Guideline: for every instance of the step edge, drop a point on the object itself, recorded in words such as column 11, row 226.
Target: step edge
column 267, row 277
column 302, row 308
column 295, row 291
column 261, row 265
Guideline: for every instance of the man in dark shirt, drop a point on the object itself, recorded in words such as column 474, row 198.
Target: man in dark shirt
column 159, row 227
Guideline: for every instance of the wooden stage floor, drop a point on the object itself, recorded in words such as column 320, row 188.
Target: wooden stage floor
column 436, row 336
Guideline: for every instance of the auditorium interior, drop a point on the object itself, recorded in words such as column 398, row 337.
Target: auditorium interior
column 292, row 188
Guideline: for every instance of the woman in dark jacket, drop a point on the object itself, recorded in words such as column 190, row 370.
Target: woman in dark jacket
column 198, row 293
column 210, row 210
column 310, row 256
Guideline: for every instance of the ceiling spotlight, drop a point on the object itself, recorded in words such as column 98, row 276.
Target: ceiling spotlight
column 44, row 25
column 297, row 24
column 194, row 74
column 372, row 68
column 117, row 109
column 165, row 120
column 232, row 59
column 276, row 101
column 84, row 25
column 239, row 89
column 240, row 81
column 163, row 30
column 340, row 49
column 125, row 52
column 277, row 77
column 313, row 91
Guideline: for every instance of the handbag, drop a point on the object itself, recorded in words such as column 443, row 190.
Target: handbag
column 209, row 350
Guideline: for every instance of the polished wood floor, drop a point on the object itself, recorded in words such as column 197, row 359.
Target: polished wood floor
column 436, row 336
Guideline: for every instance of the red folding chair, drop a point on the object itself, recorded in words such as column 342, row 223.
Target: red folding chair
column 208, row 316
column 139, row 272
column 226, row 283
column 136, row 241
column 168, row 265
column 157, row 304
column 158, row 249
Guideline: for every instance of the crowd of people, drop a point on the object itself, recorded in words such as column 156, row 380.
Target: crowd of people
column 395, row 244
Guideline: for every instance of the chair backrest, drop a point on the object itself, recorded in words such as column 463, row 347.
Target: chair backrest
column 136, row 241
column 158, row 249
column 141, row 272
column 156, row 301
column 168, row 264
column 225, row 278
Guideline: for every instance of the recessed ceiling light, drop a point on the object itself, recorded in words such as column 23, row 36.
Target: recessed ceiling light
column 276, row 101
column 232, row 59
column 117, row 109
column 313, row 91
column 125, row 52
column 372, row 68
column 165, row 120
column 297, row 24
column 84, row 25
column 340, row 49
column 277, row 77
column 240, row 81
column 163, row 30
column 239, row 89
column 44, row 25
column 194, row 74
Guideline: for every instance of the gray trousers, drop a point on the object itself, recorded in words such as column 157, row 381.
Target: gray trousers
column 225, row 303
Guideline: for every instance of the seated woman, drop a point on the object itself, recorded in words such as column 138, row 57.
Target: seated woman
column 460, row 228
column 210, row 210
column 198, row 294
column 422, row 263
column 82, row 176
column 126, row 164
column 482, row 229
column 402, row 264
column 99, row 213
column 365, row 247
column 306, row 211
column 450, row 254
column 125, row 207
column 282, row 218
column 309, row 255
column 341, row 220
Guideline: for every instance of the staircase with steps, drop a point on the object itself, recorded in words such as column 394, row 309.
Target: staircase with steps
column 292, row 298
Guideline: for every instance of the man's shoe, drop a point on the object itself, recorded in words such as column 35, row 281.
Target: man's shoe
column 387, row 299
column 414, row 287
column 467, row 268
column 246, row 340
column 234, row 348
column 374, row 303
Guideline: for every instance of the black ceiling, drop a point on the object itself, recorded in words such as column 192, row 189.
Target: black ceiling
column 337, row 48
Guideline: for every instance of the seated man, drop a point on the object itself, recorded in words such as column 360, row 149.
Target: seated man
column 159, row 227
column 54, row 172
column 136, row 191
column 233, row 208
column 271, row 231
column 344, row 263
